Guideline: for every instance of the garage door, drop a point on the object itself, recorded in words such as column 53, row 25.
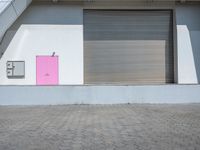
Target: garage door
column 128, row 47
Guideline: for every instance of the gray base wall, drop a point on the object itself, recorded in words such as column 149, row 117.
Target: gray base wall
column 52, row 95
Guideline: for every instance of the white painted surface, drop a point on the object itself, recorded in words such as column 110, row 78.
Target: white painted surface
column 42, row 30
column 186, row 65
column 62, row 18
column 47, row 95
column 32, row 40
column 188, row 34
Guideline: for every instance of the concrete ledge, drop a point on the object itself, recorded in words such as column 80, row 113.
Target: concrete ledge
column 47, row 95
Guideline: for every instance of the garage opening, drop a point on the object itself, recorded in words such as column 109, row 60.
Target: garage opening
column 128, row 47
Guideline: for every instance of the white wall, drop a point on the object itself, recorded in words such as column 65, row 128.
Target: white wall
column 186, row 64
column 42, row 30
column 188, row 37
column 51, row 95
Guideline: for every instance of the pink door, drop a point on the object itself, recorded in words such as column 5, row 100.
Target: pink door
column 46, row 70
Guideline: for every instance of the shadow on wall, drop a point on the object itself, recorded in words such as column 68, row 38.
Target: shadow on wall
column 37, row 14
column 189, row 16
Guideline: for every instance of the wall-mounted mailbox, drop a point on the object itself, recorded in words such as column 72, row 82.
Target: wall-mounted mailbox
column 15, row 69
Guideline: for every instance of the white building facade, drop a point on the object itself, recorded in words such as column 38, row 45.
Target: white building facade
column 106, row 52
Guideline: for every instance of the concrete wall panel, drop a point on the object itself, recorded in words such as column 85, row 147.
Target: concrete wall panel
column 42, row 30
column 47, row 95
column 188, row 28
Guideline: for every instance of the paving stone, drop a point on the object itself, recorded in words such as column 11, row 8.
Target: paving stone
column 100, row 127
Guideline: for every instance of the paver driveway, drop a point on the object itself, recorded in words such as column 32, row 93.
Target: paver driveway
column 100, row 127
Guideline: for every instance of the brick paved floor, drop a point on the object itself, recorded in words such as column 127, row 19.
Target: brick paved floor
column 100, row 127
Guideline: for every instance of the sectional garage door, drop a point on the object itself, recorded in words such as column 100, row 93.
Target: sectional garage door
column 128, row 47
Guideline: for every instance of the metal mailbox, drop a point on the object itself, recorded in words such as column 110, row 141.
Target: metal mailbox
column 15, row 69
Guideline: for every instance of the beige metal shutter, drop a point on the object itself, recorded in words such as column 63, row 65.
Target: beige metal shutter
column 128, row 47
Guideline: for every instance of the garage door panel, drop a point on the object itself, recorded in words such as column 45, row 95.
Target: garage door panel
column 121, row 47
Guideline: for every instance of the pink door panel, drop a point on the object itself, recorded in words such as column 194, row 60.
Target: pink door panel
column 46, row 70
